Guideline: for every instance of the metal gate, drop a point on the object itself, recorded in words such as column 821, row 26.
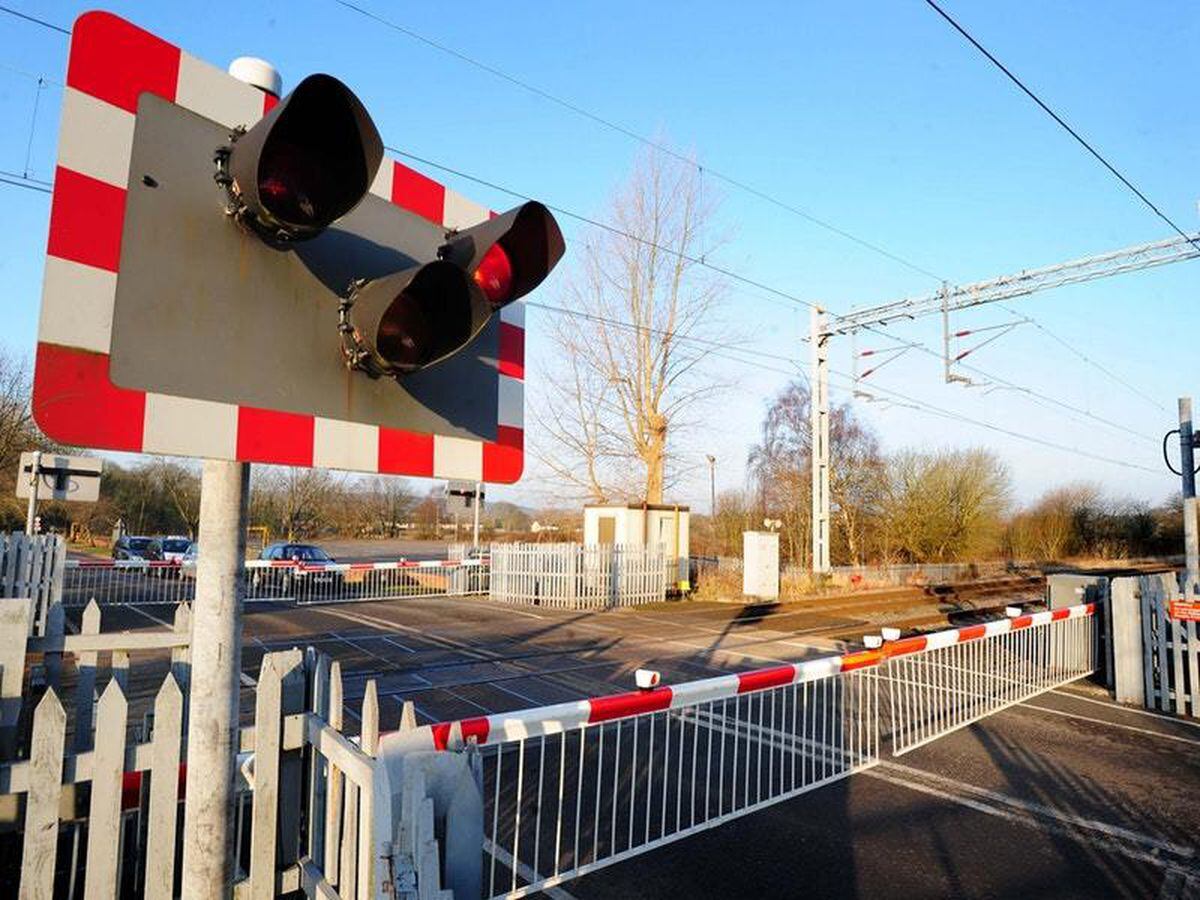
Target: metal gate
column 945, row 681
column 568, row 789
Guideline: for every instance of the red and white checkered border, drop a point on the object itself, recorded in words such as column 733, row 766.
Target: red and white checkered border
column 514, row 726
column 112, row 62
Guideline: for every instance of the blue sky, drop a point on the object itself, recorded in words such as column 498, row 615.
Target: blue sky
column 875, row 117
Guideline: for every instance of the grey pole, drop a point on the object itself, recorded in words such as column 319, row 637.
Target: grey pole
column 475, row 528
column 35, row 479
column 212, row 739
column 712, row 486
column 819, row 403
column 1187, row 466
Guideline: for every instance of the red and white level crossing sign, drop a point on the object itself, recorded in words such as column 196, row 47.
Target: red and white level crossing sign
column 76, row 400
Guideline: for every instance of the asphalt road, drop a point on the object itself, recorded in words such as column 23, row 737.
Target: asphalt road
column 1066, row 795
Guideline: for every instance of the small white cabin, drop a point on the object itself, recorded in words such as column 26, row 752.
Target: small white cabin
column 641, row 524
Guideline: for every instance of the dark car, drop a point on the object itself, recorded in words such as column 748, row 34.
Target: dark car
column 285, row 580
column 137, row 548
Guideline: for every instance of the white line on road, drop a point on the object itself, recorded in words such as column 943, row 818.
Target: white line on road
column 1135, row 845
column 1178, row 886
column 1134, row 728
column 152, row 618
column 505, row 858
column 248, row 681
column 1174, row 858
column 1122, row 707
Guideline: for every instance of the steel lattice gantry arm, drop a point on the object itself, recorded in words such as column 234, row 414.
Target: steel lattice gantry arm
column 951, row 298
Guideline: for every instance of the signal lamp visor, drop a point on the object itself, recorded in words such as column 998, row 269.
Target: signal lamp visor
column 309, row 161
column 413, row 319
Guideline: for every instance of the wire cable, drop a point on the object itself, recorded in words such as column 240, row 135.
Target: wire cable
column 1062, row 122
column 763, row 195
column 920, row 405
column 22, row 182
column 36, row 21
column 588, row 220
column 752, row 282
column 635, row 136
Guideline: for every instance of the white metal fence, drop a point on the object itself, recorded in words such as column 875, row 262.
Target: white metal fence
column 141, row 582
column 571, row 788
column 578, row 576
column 942, row 682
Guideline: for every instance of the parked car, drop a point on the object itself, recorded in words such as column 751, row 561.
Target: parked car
column 188, row 563
column 128, row 547
column 285, row 580
column 174, row 547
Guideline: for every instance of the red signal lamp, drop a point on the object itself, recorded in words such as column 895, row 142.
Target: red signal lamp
column 494, row 275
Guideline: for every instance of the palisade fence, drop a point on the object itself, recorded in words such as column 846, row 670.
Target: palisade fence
column 33, row 567
column 578, row 576
column 93, row 785
column 142, row 582
column 1170, row 664
column 882, row 575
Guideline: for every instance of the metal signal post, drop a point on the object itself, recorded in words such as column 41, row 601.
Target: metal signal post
column 1187, row 469
column 819, row 405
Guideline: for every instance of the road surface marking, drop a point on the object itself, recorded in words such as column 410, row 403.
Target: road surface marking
column 1033, row 815
column 1125, row 708
column 1178, row 886
column 247, row 680
column 505, row 859
column 1133, row 728
column 1127, row 842
column 152, row 618
column 1040, row 810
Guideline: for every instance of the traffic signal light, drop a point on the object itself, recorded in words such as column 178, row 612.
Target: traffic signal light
column 307, row 162
column 417, row 317
column 327, row 254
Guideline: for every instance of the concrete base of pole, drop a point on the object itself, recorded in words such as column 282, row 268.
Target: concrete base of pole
column 215, row 681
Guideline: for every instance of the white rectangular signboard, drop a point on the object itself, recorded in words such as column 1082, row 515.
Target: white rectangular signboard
column 61, row 477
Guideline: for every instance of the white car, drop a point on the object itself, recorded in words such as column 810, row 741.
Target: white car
column 175, row 548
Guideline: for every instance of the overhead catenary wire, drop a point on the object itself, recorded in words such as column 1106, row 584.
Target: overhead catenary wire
column 736, row 276
column 20, row 181
column 1083, row 142
column 576, row 108
column 635, row 136
column 596, row 223
column 913, row 402
column 16, row 13
column 1030, row 392
column 26, row 182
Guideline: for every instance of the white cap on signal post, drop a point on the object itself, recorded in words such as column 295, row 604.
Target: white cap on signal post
column 259, row 73
column 647, row 678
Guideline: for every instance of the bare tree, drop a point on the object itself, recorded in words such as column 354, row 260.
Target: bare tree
column 780, row 466
column 385, row 503
column 17, row 431
column 627, row 374
column 300, row 500
column 180, row 485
